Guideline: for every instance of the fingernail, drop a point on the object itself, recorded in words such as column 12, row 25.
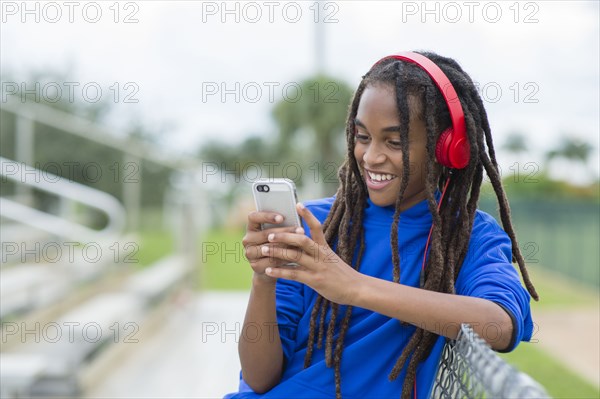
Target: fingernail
column 300, row 205
column 264, row 249
column 268, row 270
column 271, row 237
column 299, row 230
column 279, row 218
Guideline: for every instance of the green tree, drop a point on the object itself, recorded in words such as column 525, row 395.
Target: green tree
column 311, row 127
column 516, row 143
column 572, row 149
column 228, row 169
column 310, row 133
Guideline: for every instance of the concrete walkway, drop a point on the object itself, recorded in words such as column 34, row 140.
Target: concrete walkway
column 572, row 337
column 194, row 353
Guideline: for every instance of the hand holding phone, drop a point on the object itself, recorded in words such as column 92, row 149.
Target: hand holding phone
column 279, row 196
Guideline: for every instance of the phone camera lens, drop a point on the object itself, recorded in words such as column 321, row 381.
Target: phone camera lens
column 259, row 188
column 266, row 188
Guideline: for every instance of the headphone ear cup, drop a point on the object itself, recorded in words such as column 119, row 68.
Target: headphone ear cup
column 442, row 147
column 459, row 153
column 452, row 154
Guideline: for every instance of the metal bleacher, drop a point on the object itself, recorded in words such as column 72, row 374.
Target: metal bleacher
column 64, row 317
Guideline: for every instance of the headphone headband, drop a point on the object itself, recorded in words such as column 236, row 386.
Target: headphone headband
column 458, row 144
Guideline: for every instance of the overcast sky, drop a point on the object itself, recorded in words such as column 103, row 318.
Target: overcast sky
column 536, row 62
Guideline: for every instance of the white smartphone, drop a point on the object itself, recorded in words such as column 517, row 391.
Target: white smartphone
column 277, row 195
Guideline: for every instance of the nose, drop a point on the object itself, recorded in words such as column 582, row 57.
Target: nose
column 373, row 155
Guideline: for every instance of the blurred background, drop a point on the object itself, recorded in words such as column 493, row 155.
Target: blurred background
column 130, row 132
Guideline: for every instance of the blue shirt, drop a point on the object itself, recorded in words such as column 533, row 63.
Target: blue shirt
column 373, row 341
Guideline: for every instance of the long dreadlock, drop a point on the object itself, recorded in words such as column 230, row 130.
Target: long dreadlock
column 453, row 223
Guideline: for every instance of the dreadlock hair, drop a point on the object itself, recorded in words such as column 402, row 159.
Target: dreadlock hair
column 415, row 93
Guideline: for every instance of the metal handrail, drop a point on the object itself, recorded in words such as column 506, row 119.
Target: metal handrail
column 65, row 189
column 30, row 114
column 89, row 130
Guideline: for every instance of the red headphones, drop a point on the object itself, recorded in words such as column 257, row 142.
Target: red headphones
column 452, row 149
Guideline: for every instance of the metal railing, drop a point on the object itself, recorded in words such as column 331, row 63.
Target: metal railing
column 66, row 190
column 55, row 368
column 27, row 114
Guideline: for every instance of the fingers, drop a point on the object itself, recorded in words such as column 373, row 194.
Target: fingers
column 254, row 252
column 263, row 252
column 290, row 254
column 289, row 273
column 255, row 219
column 260, row 237
column 259, row 265
column 257, row 238
column 299, row 241
column 316, row 230
column 254, row 240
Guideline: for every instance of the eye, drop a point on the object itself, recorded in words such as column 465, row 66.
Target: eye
column 361, row 137
column 395, row 144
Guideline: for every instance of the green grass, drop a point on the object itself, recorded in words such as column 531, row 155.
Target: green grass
column 558, row 292
column 558, row 381
column 152, row 245
column 221, row 262
column 555, row 292
column 224, row 266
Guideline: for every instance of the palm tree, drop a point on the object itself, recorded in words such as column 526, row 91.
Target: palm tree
column 516, row 143
column 320, row 111
column 572, row 149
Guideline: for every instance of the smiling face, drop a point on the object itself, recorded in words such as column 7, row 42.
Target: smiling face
column 378, row 151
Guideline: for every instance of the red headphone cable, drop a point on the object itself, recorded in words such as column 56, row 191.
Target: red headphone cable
column 422, row 278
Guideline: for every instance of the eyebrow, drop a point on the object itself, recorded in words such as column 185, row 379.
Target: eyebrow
column 389, row 129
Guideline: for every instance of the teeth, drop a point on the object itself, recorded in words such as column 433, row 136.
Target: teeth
column 380, row 177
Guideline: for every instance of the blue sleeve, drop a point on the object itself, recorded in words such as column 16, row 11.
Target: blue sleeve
column 488, row 273
column 290, row 308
